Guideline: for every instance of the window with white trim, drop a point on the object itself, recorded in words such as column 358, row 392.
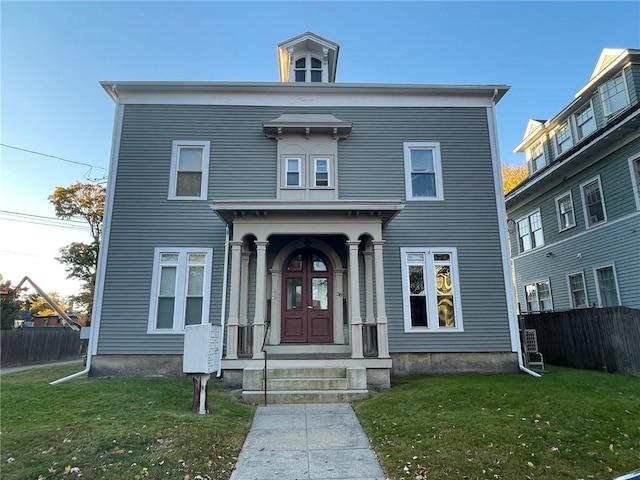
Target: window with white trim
column 431, row 290
column 593, row 202
column 564, row 208
column 321, row 172
column 607, row 286
column 308, row 69
column 577, row 290
column 613, row 94
column 538, row 296
column 293, row 172
column 585, row 121
column 530, row 233
column 423, row 174
column 189, row 170
column 634, row 169
column 535, row 157
column 564, row 140
column 180, row 289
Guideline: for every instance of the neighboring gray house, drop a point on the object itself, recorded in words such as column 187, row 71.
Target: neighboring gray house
column 575, row 222
column 360, row 227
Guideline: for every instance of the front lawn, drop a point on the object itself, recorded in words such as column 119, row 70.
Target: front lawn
column 115, row 428
column 569, row 424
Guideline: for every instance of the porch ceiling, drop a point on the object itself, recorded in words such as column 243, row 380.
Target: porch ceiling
column 229, row 210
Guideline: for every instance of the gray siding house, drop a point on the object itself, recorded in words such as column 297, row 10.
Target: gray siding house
column 356, row 230
column 574, row 224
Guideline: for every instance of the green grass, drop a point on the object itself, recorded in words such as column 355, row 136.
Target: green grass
column 115, row 428
column 569, row 424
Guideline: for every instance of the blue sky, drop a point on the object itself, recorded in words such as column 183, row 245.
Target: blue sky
column 54, row 53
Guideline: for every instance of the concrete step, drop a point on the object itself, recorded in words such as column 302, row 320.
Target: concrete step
column 327, row 372
column 325, row 383
column 305, row 396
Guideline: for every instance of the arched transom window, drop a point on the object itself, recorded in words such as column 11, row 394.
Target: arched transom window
column 308, row 69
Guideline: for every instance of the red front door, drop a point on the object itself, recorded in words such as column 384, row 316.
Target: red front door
column 306, row 298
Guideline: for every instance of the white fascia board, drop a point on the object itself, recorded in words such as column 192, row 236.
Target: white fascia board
column 275, row 205
column 291, row 94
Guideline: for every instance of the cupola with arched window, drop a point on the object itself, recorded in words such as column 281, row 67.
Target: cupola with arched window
column 308, row 58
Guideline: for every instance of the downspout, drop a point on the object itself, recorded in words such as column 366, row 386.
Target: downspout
column 104, row 244
column 502, row 227
column 223, row 309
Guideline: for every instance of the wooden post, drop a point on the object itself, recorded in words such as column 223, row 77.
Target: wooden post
column 200, row 394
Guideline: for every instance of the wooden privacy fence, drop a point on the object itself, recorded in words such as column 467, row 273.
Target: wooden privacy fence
column 39, row 345
column 605, row 339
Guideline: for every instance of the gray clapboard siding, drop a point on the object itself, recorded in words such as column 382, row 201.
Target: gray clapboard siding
column 243, row 165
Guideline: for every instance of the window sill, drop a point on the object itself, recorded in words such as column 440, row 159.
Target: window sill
column 165, row 332
column 187, row 198
column 596, row 225
column 434, row 330
column 567, row 228
column 424, row 199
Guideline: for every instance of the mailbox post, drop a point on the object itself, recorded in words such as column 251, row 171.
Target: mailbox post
column 201, row 358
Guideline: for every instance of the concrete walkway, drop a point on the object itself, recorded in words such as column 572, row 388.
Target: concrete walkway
column 307, row 442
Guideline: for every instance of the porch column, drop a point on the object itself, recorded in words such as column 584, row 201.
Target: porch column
column 244, row 289
column 381, row 320
column 368, row 286
column 261, row 287
column 355, row 320
column 234, row 300
column 338, row 306
column 276, row 303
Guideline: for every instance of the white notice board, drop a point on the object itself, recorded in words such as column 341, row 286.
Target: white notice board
column 201, row 348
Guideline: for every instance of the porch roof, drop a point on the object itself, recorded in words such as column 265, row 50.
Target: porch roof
column 385, row 210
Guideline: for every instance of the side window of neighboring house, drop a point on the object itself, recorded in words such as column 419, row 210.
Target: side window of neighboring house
column 577, row 290
column 593, row 202
column 530, row 233
column 431, row 290
column 564, row 208
column 614, row 95
column 189, row 170
column 607, row 286
column 585, row 121
column 564, row 140
column 180, row 289
column 535, row 157
column 423, row 173
column 634, row 168
column 538, row 296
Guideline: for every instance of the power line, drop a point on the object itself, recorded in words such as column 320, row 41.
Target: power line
column 52, row 156
column 21, row 214
column 41, row 220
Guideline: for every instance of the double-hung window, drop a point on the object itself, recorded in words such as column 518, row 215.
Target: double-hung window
column 577, row 290
column 431, row 290
column 593, row 202
column 607, row 286
column 564, row 207
column 585, row 121
column 423, row 174
column 564, row 139
column 530, row 233
column 189, row 170
column 321, row 172
column 614, row 95
column 538, row 296
column 293, row 172
column 180, row 289
column 535, row 157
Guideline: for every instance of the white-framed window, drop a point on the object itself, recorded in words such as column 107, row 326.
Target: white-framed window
column 431, row 290
column 577, row 290
column 423, row 174
column 293, row 172
column 535, row 157
column 585, row 121
column 607, row 286
column 189, row 170
column 530, row 233
column 564, row 140
column 564, row 208
column 180, row 289
column 308, row 69
column 613, row 94
column 321, row 172
column 538, row 296
column 634, row 170
column 593, row 202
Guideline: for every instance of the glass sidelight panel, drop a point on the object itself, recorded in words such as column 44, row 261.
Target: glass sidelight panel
column 294, row 293
column 320, row 299
column 318, row 264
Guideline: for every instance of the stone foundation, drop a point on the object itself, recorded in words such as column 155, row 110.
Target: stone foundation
column 453, row 363
column 136, row 366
